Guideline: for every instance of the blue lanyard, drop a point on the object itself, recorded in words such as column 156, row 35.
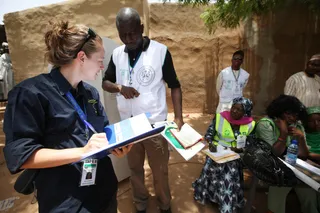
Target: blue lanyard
column 134, row 64
column 81, row 114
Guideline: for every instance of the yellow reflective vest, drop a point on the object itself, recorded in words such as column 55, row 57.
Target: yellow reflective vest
column 224, row 133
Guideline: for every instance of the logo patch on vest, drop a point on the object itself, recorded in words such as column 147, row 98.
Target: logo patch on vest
column 228, row 85
column 123, row 72
column 146, row 75
column 93, row 102
column 227, row 132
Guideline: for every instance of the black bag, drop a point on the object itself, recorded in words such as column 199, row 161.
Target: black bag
column 25, row 183
column 266, row 166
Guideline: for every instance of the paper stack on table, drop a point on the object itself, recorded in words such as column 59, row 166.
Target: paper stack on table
column 222, row 155
column 303, row 177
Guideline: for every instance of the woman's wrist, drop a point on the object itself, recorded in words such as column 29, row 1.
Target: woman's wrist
column 282, row 139
column 208, row 139
column 283, row 136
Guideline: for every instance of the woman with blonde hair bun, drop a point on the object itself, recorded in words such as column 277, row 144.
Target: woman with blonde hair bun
column 54, row 119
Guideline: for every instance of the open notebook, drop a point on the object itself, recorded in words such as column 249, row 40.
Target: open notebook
column 187, row 154
column 187, row 136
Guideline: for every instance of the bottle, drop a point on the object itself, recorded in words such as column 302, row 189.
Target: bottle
column 292, row 153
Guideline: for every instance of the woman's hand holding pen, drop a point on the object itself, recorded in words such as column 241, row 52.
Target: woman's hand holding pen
column 97, row 141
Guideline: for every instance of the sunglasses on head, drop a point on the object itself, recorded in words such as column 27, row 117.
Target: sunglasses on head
column 91, row 35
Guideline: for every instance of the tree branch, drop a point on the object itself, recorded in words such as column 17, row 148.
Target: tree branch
column 229, row 13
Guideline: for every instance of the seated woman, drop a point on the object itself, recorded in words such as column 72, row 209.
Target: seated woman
column 313, row 133
column 222, row 183
column 283, row 123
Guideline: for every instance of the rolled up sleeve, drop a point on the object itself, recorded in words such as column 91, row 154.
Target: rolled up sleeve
column 24, row 123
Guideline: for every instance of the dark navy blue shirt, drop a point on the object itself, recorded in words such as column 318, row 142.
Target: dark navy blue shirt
column 39, row 115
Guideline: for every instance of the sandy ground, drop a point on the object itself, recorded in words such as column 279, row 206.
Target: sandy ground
column 181, row 176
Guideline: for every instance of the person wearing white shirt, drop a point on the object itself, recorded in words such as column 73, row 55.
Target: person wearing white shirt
column 231, row 81
column 305, row 85
column 6, row 74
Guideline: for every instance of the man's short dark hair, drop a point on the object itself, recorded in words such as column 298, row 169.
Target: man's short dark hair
column 239, row 52
column 128, row 15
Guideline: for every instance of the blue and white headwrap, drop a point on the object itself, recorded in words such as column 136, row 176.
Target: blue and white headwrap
column 246, row 103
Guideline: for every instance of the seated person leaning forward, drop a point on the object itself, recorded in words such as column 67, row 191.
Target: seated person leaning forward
column 222, row 183
column 283, row 123
column 313, row 133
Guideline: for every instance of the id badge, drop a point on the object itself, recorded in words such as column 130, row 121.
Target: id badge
column 241, row 141
column 237, row 89
column 89, row 170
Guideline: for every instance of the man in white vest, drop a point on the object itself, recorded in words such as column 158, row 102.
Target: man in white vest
column 138, row 71
column 231, row 81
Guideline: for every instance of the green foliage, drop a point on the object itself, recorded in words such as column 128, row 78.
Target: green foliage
column 229, row 13
column 193, row 2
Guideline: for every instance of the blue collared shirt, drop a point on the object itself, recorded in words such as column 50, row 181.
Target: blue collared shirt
column 39, row 115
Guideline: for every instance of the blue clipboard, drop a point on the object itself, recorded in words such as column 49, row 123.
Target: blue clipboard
column 113, row 144
column 111, row 137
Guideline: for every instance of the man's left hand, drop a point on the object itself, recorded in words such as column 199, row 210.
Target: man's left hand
column 122, row 151
column 179, row 122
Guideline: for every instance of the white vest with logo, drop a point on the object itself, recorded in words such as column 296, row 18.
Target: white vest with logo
column 232, row 88
column 147, row 79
